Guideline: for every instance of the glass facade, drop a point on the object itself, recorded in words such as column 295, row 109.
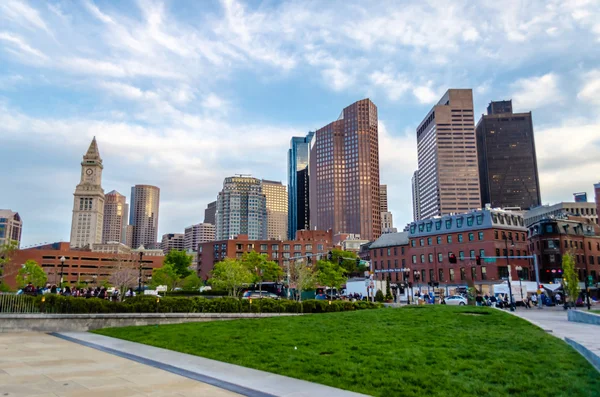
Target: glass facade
column 298, row 193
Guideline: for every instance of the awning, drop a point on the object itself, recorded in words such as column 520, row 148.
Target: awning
column 553, row 287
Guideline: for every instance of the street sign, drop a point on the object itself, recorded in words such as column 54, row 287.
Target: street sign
column 590, row 281
column 489, row 260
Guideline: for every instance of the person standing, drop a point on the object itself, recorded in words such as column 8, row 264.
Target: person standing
column 534, row 299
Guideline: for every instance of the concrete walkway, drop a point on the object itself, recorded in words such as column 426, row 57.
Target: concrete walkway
column 41, row 365
column 245, row 381
column 554, row 320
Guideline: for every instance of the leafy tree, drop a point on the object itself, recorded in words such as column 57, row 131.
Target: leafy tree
column 388, row 292
column 379, row 296
column 6, row 253
column 32, row 273
column 302, row 278
column 261, row 268
column 180, row 261
column 231, row 275
column 191, row 282
column 165, row 275
column 570, row 277
column 349, row 265
column 330, row 274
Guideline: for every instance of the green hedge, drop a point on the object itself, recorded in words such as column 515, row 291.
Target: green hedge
column 149, row 304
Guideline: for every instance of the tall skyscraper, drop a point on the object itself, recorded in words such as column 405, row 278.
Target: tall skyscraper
column 88, row 203
column 241, row 209
column 196, row 234
column 277, row 209
column 115, row 218
column 383, row 198
column 298, row 186
column 210, row 213
column 597, row 192
column 344, row 173
column 144, row 215
column 508, row 171
column 447, row 157
column 11, row 226
column 415, row 196
column 172, row 241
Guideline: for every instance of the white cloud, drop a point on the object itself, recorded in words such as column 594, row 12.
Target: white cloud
column 425, row 94
column 395, row 86
column 213, row 101
column 591, row 89
column 22, row 13
column 21, row 44
column 536, row 92
column 95, row 11
column 471, row 34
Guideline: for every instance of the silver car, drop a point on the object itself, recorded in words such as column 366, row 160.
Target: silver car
column 456, row 300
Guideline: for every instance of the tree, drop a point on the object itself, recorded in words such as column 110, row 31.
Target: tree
column 191, row 282
column 388, row 292
column 348, row 261
column 261, row 268
column 231, row 275
column 570, row 277
column 123, row 276
column 32, row 273
column 180, row 261
column 302, row 278
column 379, row 296
column 166, row 275
column 330, row 274
column 6, row 253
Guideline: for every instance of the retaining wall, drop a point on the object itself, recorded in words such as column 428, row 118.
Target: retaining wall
column 87, row 322
column 579, row 316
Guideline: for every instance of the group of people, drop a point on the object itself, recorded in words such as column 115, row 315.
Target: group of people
column 502, row 301
column 89, row 292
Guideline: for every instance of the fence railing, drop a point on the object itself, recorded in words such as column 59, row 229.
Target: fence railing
column 10, row 303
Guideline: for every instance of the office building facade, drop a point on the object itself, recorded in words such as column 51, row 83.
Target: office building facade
column 88, row 202
column 241, row 209
column 143, row 217
column 383, row 198
column 116, row 214
column 415, row 196
column 298, row 184
column 276, row 195
column 172, row 241
column 11, row 227
column 508, row 173
column 447, row 157
column 344, row 173
column 560, row 210
column 210, row 213
column 597, row 193
column 197, row 234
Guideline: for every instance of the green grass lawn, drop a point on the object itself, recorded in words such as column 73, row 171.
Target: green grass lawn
column 416, row 351
column 596, row 311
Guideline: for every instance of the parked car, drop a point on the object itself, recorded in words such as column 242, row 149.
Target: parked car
column 456, row 300
column 259, row 295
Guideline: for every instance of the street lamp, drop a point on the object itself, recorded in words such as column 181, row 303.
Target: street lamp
column 140, row 278
column 405, row 274
column 62, row 265
column 416, row 278
column 512, row 244
column 519, row 270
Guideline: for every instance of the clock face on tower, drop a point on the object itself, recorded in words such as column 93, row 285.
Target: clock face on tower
column 89, row 171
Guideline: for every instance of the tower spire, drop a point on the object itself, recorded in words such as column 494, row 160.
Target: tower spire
column 92, row 152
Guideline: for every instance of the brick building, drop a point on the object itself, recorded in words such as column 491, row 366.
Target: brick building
column 80, row 265
column 425, row 249
column 314, row 242
column 550, row 239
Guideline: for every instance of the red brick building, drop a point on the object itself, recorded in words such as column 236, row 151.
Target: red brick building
column 80, row 265
column 550, row 239
column 316, row 242
column 425, row 250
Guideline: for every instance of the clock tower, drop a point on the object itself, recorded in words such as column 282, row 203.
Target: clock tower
column 88, row 204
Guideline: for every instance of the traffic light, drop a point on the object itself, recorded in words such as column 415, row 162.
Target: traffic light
column 451, row 258
column 478, row 260
column 329, row 256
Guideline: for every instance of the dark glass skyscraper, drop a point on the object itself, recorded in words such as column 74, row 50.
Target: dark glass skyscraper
column 508, row 171
column 298, row 198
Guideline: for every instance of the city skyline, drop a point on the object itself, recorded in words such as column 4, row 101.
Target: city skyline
column 155, row 124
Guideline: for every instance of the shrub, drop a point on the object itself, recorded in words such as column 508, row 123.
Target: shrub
column 379, row 296
column 149, row 304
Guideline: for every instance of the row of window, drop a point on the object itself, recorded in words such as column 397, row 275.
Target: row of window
column 460, row 238
column 421, row 276
column 274, row 247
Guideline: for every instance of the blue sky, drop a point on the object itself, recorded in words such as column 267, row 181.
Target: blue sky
column 181, row 94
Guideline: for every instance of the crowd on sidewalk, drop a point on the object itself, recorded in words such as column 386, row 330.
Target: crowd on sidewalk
column 89, row 292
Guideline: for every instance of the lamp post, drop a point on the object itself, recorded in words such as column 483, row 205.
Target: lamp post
column 519, row 270
column 62, row 265
column 512, row 244
column 405, row 274
column 140, row 278
column 417, row 277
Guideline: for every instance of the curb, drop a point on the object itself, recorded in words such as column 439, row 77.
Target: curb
column 592, row 357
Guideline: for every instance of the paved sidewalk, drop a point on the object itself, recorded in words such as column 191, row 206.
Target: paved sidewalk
column 554, row 320
column 259, row 383
column 41, row 365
